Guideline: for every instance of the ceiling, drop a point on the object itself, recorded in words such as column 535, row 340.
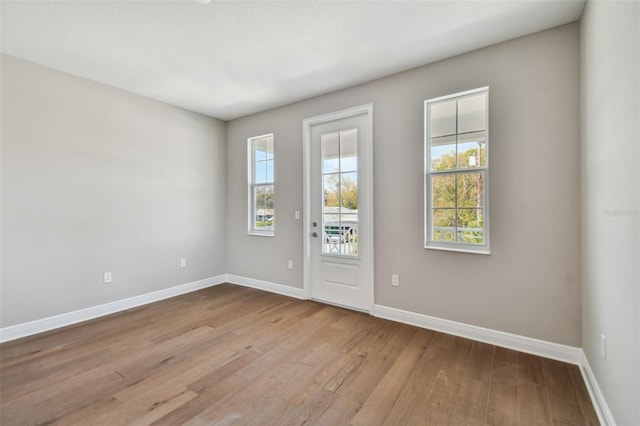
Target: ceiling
column 227, row 59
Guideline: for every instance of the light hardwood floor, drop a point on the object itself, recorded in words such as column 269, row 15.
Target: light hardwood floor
column 233, row 355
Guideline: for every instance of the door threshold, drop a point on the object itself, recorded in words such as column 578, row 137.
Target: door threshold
column 338, row 305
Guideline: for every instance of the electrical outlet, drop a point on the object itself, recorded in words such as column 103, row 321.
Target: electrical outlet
column 107, row 277
column 290, row 264
column 395, row 280
column 183, row 263
column 603, row 346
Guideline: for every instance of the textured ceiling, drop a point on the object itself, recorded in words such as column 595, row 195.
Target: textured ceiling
column 227, row 59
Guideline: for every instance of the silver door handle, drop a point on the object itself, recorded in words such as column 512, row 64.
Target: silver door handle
column 314, row 235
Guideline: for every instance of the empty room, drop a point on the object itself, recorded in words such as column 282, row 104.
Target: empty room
column 320, row 212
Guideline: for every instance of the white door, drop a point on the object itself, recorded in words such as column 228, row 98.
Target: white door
column 338, row 208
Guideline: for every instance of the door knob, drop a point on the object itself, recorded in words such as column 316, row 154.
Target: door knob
column 314, row 235
column 314, row 224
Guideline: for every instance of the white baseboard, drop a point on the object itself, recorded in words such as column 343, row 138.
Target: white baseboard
column 529, row 345
column 285, row 290
column 597, row 397
column 45, row 324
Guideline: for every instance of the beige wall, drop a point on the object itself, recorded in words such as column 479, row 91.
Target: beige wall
column 530, row 284
column 131, row 185
column 96, row 179
column 610, row 90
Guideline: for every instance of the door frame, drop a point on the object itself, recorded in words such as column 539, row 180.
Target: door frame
column 307, row 123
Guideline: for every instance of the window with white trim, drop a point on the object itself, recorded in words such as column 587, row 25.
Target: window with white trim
column 261, row 185
column 456, row 172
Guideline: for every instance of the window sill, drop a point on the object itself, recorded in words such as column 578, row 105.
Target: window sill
column 261, row 234
column 479, row 250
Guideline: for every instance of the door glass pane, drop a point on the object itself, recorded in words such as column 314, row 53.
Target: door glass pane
column 349, row 191
column 349, row 150
column 350, row 238
column 443, row 118
column 472, row 113
column 331, row 153
column 331, row 193
column 331, row 235
column 349, row 213
column 340, row 193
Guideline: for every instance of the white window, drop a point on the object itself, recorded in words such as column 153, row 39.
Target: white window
column 456, row 172
column 261, row 185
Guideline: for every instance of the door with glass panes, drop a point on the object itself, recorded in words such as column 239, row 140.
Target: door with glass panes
column 339, row 228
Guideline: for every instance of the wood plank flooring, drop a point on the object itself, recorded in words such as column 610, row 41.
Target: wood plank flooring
column 230, row 355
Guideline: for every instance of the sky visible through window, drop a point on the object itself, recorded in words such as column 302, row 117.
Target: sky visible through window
column 264, row 166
